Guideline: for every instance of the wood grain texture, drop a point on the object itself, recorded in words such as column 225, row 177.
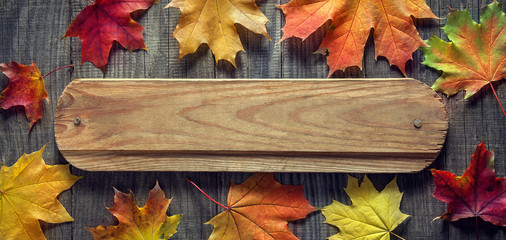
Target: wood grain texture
column 353, row 125
column 31, row 30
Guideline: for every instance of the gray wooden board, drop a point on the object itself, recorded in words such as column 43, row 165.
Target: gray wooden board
column 31, row 30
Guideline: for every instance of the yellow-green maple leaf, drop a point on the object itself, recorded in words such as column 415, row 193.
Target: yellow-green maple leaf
column 28, row 191
column 372, row 214
column 148, row 222
column 213, row 22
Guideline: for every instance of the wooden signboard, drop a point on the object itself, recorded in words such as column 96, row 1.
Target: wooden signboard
column 283, row 125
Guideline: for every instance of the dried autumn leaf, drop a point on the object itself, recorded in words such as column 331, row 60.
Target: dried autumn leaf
column 395, row 35
column 148, row 222
column 372, row 214
column 213, row 22
column 259, row 208
column 26, row 88
column 28, row 191
column 476, row 55
column 105, row 21
column 478, row 193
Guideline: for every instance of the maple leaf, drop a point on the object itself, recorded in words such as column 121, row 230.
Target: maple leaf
column 259, row 208
column 26, row 88
column 213, row 22
column 105, row 21
column 477, row 193
column 395, row 35
column 476, row 55
column 28, row 191
column 148, row 222
column 372, row 214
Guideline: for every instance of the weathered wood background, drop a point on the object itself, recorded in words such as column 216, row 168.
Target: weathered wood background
column 31, row 30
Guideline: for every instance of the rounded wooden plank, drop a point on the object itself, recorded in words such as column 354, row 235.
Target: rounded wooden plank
column 346, row 125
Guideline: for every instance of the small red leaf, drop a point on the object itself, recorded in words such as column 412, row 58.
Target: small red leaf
column 26, row 88
column 105, row 21
column 477, row 193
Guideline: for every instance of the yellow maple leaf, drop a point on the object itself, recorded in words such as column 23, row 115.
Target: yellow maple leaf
column 213, row 22
column 28, row 191
column 372, row 214
column 148, row 222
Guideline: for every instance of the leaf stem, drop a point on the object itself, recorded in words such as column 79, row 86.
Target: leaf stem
column 477, row 229
column 205, row 194
column 397, row 236
column 497, row 98
column 60, row 68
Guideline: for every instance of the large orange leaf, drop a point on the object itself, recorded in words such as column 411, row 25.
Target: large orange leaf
column 395, row 35
column 148, row 222
column 477, row 193
column 105, row 21
column 476, row 55
column 26, row 88
column 259, row 208
column 213, row 22
column 28, row 191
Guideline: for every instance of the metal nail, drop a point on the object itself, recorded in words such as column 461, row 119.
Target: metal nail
column 77, row 121
column 417, row 123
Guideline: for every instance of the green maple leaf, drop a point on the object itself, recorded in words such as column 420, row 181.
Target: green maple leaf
column 476, row 55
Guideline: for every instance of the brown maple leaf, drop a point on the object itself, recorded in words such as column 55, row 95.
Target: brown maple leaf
column 26, row 88
column 105, row 21
column 395, row 35
column 213, row 22
column 148, row 222
column 259, row 208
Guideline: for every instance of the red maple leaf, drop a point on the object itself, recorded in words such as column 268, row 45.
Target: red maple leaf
column 26, row 88
column 105, row 21
column 478, row 193
column 259, row 208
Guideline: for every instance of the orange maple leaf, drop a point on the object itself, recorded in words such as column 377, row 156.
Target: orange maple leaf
column 213, row 22
column 395, row 35
column 148, row 222
column 103, row 22
column 259, row 208
column 26, row 88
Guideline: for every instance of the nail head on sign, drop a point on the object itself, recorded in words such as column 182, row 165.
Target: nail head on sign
column 77, row 121
column 417, row 123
